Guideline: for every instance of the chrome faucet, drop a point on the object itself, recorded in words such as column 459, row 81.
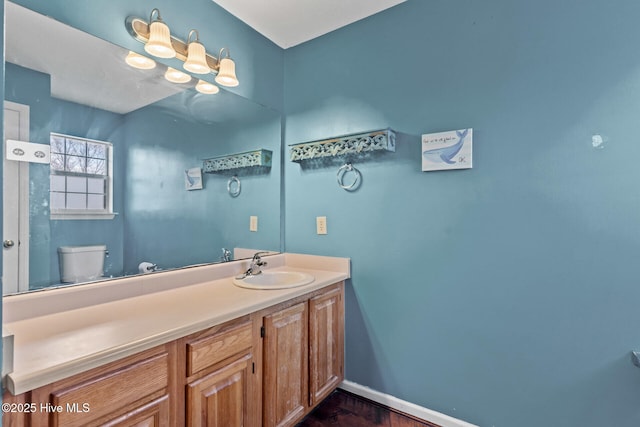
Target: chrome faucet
column 256, row 263
column 254, row 267
column 226, row 255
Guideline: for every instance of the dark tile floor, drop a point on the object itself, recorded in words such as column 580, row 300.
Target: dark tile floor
column 348, row 410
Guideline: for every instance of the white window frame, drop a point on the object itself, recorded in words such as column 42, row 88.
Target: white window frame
column 64, row 214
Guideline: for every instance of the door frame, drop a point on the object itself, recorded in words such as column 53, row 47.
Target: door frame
column 15, row 179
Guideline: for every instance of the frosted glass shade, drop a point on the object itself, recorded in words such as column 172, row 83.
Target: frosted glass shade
column 227, row 73
column 159, row 43
column 139, row 61
column 196, row 61
column 176, row 76
column 207, row 88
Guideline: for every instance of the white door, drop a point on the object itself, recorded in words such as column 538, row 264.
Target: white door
column 15, row 207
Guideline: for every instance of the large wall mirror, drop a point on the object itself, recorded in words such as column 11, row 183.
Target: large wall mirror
column 72, row 91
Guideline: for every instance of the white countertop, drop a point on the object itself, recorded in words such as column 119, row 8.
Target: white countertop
column 60, row 344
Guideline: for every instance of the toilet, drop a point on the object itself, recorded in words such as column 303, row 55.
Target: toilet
column 81, row 263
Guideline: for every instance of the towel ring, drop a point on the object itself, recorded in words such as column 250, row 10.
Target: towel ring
column 233, row 186
column 342, row 172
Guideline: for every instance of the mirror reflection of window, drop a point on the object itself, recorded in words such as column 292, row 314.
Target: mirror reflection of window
column 80, row 178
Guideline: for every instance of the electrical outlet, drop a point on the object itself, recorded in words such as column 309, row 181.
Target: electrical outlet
column 253, row 223
column 321, row 225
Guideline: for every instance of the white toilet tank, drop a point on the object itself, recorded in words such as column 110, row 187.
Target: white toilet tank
column 81, row 263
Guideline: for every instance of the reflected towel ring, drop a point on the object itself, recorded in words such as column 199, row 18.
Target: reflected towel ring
column 233, row 186
column 343, row 171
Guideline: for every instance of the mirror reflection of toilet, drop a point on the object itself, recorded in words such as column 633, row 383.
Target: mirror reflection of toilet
column 81, row 263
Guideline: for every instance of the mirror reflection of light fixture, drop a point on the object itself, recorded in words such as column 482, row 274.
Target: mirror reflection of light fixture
column 176, row 76
column 207, row 88
column 196, row 61
column 140, row 61
column 190, row 52
column 159, row 42
column 227, row 70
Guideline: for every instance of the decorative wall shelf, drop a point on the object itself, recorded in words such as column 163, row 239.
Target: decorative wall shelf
column 380, row 140
column 248, row 159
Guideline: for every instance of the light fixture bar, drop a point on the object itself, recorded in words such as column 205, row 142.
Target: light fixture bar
column 139, row 30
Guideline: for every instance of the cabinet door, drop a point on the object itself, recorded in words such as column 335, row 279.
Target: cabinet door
column 285, row 381
column 220, row 398
column 326, row 344
column 153, row 414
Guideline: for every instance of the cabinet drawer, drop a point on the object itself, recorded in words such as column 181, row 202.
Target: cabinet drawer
column 106, row 394
column 212, row 349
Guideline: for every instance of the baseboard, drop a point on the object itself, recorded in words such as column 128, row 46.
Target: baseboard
column 404, row 406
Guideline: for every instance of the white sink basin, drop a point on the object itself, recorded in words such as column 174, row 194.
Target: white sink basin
column 274, row 280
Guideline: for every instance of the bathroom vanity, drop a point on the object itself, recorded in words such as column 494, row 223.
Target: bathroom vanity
column 201, row 352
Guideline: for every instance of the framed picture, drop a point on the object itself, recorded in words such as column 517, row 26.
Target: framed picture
column 447, row 150
column 193, row 179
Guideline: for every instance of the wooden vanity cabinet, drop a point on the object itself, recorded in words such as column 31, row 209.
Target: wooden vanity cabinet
column 221, row 376
column 269, row 368
column 303, row 355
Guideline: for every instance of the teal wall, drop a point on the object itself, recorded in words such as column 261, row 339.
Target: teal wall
column 172, row 227
column 507, row 294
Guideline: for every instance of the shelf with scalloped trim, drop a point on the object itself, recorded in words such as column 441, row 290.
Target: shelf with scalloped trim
column 248, row 159
column 353, row 144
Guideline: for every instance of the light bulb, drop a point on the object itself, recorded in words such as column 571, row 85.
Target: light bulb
column 140, row 61
column 159, row 43
column 206, row 87
column 196, row 61
column 227, row 73
column 176, row 76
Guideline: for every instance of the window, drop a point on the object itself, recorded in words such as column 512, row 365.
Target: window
column 81, row 178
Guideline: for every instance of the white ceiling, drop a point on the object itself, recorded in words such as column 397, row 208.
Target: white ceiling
column 290, row 22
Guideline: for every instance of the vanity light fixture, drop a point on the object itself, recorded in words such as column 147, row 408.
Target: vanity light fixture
column 227, row 71
column 159, row 40
column 140, row 61
column 207, row 88
column 196, row 61
column 189, row 52
column 176, row 76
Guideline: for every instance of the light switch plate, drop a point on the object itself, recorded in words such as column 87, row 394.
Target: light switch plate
column 23, row 151
column 253, row 223
column 321, row 225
